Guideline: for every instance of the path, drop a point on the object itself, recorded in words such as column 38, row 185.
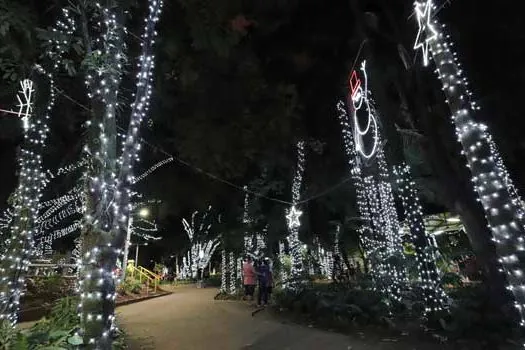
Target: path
column 190, row 319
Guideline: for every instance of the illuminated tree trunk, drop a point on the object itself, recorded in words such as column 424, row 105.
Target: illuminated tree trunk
column 108, row 206
column 425, row 256
column 295, row 245
column 503, row 208
column 19, row 248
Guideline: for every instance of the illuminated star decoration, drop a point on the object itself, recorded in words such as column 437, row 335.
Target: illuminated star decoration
column 293, row 217
column 25, row 101
column 426, row 29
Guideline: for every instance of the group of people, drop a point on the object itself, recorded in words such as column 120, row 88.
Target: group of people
column 257, row 272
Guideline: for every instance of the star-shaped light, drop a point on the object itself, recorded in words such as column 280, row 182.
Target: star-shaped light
column 293, row 217
column 426, row 28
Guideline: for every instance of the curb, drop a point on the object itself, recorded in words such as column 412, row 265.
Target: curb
column 136, row 300
column 36, row 313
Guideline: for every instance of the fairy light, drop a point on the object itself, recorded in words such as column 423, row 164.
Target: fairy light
column 248, row 238
column 429, row 277
column 282, row 260
column 361, row 101
column 110, row 191
column 201, row 250
column 233, row 273
column 224, row 272
column 503, row 211
column 294, row 223
column 380, row 226
column 14, row 261
column 152, row 169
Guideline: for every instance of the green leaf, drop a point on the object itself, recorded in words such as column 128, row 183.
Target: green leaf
column 58, row 334
column 75, row 340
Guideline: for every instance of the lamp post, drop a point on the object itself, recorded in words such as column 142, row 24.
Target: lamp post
column 137, row 253
column 143, row 213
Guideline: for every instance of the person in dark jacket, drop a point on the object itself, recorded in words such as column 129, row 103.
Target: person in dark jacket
column 263, row 274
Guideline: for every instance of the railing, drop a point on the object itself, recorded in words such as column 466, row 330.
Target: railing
column 150, row 278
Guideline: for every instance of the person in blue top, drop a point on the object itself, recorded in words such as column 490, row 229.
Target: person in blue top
column 263, row 275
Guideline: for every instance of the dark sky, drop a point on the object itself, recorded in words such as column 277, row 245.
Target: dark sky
column 490, row 41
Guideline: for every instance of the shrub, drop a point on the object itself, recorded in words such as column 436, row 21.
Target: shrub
column 213, row 281
column 57, row 332
column 340, row 306
column 473, row 317
column 48, row 288
column 130, row 286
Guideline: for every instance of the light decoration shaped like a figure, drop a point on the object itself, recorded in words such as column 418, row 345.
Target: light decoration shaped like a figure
column 359, row 95
column 293, row 217
column 25, row 102
column 426, row 31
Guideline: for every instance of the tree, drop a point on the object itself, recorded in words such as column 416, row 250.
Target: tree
column 15, row 258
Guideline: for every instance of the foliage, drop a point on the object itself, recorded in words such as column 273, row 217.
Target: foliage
column 474, row 318
column 213, row 280
column 57, row 332
column 48, row 288
column 337, row 306
column 158, row 268
column 451, row 279
column 130, row 286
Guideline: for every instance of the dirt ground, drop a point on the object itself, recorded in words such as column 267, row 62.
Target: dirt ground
column 189, row 319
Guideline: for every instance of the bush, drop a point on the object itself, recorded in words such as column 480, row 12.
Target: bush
column 130, row 286
column 213, row 281
column 48, row 288
column 473, row 317
column 338, row 306
column 57, row 332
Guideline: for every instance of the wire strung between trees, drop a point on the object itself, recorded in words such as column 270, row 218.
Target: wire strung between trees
column 218, row 178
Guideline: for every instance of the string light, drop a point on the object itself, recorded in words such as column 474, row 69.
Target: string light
column 360, row 100
column 429, row 278
column 201, row 251
column 111, row 192
column 293, row 220
column 503, row 208
column 233, row 275
column 14, row 261
column 379, row 232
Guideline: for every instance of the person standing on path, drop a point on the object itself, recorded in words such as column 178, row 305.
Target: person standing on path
column 264, row 277
column 248, row 277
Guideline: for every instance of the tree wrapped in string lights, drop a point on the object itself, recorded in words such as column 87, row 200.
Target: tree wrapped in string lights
column 503, row 207
column 202, row 248
column 429, row 277
column 379, row 232
column 108, row 178
column 293, row 219
column 35, row 104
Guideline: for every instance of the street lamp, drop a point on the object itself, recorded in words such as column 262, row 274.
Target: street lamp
column 144, row 212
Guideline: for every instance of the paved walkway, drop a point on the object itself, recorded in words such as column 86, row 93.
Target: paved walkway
column 190, row 319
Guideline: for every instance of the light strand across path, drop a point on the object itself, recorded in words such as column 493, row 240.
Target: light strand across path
column 218, row 178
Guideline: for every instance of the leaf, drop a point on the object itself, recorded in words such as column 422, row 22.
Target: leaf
column 58, row 334
column 75, row 340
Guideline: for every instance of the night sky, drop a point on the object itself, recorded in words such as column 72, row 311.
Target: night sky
column 489, row 39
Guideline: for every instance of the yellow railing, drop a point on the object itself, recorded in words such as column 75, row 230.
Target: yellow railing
column 143, row 274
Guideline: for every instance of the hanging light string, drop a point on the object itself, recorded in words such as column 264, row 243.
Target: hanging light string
column 172, row 158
